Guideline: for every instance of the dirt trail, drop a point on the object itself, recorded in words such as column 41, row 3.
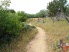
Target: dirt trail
column 38, row 44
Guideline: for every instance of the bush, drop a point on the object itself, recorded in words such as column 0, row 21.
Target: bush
column 22, row 19
column 22, row 15
column 9, row 25
column 27, row 27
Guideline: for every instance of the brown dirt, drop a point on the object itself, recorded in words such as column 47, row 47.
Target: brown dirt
column 38, row 44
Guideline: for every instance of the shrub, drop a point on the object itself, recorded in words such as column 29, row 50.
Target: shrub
column 22, row 15
column 9, row 25
column 27, row 27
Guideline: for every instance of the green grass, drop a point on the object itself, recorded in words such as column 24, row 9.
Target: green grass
column 19, row 44
column 55, row 31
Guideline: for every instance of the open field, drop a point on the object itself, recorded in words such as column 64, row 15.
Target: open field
column 19, row 44
column 55, row 31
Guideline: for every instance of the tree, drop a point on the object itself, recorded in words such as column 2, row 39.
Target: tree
column 22, row 15
column 31, row 15
column 57, row 7
column 12, row 10
column 42, row 13
column 53, row 8
column 1, row 7
column 5, row 3
column 67, row 10
column 10, row 25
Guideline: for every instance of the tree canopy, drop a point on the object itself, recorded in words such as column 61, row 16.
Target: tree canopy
column 57, row 6
column 42, row 13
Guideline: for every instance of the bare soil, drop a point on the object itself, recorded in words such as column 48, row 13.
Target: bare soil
column 38, row 44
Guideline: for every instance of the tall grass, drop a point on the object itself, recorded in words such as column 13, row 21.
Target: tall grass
column 19, row 44
column 55, row 31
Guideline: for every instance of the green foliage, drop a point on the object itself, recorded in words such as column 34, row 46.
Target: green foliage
column 22, row 15
column 27, row 27
column 31, row 15
column 57, row 6
column 11, row 10
column 67, row 11
column 42, row 13
column 10, row 25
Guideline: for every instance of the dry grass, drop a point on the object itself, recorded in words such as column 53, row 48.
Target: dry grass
column 55, row 32
column 19, row 44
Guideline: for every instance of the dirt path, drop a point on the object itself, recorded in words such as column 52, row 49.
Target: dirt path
column 38, row 44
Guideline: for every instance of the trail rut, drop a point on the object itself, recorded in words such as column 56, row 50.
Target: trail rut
column 38, row 44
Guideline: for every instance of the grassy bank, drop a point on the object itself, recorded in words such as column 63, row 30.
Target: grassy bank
column 55, row 31
column 19, row 44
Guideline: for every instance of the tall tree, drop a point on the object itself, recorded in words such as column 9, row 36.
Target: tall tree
column 57, row 7
column 5, row 3
column 1, row 7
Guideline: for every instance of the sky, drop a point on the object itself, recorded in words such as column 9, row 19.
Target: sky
column 29, row 6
